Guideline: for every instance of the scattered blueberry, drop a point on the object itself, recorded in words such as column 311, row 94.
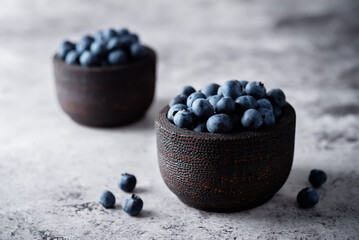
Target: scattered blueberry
column 88, row 60
column 98, row 48
column 72, row 57
column 193, row 97
column 225, row 105
column 174, row 109
column 107, row 199
column 185, row 119
column 132, row 205
column 202, row 109
column 201, row 127
column 264, row 103
column 213, row 100
column 210, row 89
column 232, row 89
column 245, row 102
column 317, row 178
column 138, row 51
column 182, row 99
column 219, row 123
column 187, row 90
column 276, row 96
column 256, row 89
column 127, row 182
column 307, row 198
column 252, row 119
column 267, row 116
column 117, row 57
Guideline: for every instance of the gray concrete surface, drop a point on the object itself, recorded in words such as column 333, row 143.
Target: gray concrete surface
column 52, row 170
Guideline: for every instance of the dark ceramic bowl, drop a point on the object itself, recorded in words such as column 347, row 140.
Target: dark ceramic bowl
column 106, row 96
column 225, row 172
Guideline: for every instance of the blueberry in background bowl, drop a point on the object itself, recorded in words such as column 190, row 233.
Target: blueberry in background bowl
column 104, row 85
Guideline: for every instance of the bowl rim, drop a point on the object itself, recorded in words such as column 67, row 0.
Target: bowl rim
column 79, row 68
column 163, row 122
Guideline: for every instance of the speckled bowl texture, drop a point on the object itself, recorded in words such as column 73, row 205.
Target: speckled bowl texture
column 106, row 96
column 226, row 172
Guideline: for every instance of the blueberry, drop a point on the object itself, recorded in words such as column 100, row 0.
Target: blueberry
column 117, row 57
column 98, row 36
column 251, row 119
column 72, row 57
column 87, row 38
column 83, row 46
column 185, row 119
column 122, row 31
column 88, row 60
column 317, row 177
column 107, row 199
column 194, row 96
column 219, row 92
column 267, row 116
column 135, row 37
column 213, row 100
column 245, row 102
column 243, row 83
column 264, row 103
column 98, row 48
column 127, row 182
column 187, row 90
column 178, row 99
column 114, row 43
column 232, row 89
column 127, row 40
column 210, row 89
column 277, row 111
column 64, row 48
column 219, row 123
column 307, row 198
column 109, row 33
column 138, row 51
column 174, row 109
column 225, row 105
column 132, row 205
column 256, row 89
column 202, row 109
column 277, row 97
column 201, row 127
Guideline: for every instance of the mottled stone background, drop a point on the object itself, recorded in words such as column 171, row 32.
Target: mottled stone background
column 52, row 170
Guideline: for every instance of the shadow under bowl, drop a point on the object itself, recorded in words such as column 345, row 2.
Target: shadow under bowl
column 106, row 96
column 226, row 172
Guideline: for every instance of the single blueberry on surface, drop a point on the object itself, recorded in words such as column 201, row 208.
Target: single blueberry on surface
column 117, row 57
column 232, row 89
column 267, row 116
column 317, row 178
column 179, row 99
column 225, row 105
column 202, row 109
column 276, row 96
column 264, row 103
column 245, row 102
column 127, row 182
column 187, row 90
column 132, row 205
column 138, row 51
column 64, row 48
column 107, row 199
column 277, row 111
column 88, row 60
column 185, row 119
column 256, row 89
column 213, row 100
column 243, row 83
column 174, row 109
column 307, row 198
column 210, row 89
column 201, row 127
column 251, row 119
column 193, row 97
column 219, row 123
column 72, row 57
column 109, row 33
column 98, row 48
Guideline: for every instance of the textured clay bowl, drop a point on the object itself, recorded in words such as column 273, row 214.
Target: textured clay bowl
column 106, row 96
column 225, row 172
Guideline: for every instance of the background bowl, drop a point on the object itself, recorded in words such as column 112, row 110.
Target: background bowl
column 225, row 172
column 106, row 96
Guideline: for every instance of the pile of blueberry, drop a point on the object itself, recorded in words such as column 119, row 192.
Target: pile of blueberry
column 309, row 197
column 104, row 48
column 132, row 205
column 233, row 106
